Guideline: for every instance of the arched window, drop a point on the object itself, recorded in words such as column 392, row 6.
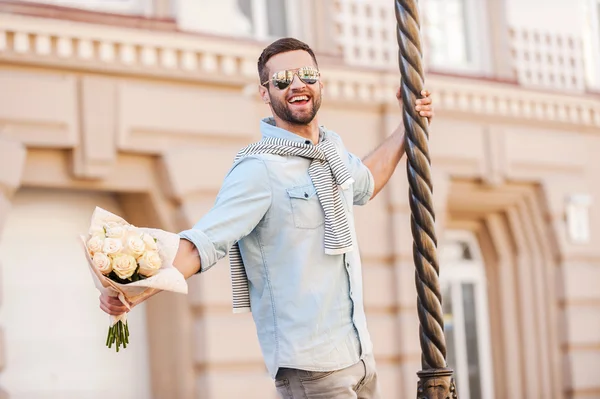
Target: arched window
column 466, row 317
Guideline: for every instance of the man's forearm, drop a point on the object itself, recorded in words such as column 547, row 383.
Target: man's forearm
column 187, row 261
column 382, row 162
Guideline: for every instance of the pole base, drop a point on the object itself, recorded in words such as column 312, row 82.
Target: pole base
column 436, row 384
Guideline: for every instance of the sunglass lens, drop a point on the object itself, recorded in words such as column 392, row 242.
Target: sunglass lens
column 281, row 83
column 308, row 75
column 283, row 79
column 309, row 80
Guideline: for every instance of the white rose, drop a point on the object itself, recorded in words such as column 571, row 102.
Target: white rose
column 96, row 230
column 107, row 217
column 134, row 245
column 102, row 263
column 124, row 265
column 95, row 244
column 112, row 246
column 150, row 243
column 150, row 263
column 114, row 230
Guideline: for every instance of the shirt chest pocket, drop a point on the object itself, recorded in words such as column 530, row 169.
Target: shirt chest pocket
column 306, row 208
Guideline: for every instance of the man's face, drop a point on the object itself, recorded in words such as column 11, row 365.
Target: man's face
column 298, row 103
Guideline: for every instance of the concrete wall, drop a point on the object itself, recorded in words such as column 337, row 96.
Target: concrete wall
column 558, row 16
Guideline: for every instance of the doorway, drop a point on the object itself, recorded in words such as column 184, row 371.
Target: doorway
column 55, row 332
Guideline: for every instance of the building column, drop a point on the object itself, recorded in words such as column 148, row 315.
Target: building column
column 499, row 35
column 12, row 160
column 571, row 213
column 323, row 36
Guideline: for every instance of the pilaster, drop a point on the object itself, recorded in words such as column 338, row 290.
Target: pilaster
column 12, row 160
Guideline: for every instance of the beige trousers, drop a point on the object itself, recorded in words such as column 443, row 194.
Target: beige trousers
column 355, row 382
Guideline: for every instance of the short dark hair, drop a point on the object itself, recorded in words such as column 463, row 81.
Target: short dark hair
column 277, row 47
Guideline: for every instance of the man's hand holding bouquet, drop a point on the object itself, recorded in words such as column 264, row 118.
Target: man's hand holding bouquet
column 130, row 263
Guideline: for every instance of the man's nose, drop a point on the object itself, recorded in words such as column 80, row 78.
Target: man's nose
column 297, row 83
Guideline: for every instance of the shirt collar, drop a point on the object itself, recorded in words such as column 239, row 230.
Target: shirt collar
column 268, row 129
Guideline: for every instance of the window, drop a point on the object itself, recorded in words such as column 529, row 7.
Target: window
column 466, row 319
column 269, row 18
column 135, row 7
column 591, row 37
column 455, row 35
column 260, row 19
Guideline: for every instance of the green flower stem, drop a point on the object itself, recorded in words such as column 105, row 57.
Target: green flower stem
column 111, row 337
column 108, row 338
column 125, row 340
column 121, row 333
column 118, row 334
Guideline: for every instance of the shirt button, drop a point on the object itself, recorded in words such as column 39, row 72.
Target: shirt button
column 307, row 142
column 305, row 195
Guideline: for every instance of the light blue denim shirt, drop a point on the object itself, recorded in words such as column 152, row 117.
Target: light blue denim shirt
column 307, row 306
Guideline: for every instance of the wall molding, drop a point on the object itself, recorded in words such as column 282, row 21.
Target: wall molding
column 93, row 48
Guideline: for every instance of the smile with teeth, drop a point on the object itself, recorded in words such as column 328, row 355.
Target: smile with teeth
column 298, row 99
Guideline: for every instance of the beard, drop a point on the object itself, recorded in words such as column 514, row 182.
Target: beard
column 282, row 109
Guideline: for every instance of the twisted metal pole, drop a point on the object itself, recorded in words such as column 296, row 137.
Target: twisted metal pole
column 435, row 378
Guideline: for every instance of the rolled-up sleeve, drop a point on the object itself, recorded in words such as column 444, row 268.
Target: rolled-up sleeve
column 243, row 200
column 364, row 184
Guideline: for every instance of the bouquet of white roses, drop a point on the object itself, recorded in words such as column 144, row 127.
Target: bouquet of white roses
column 127, row 261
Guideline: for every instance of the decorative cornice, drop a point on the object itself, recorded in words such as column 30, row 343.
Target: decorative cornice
column 52, row 43
column 508, row 101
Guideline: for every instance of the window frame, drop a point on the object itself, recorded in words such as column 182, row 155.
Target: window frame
column 260, row 28
column 455, row 273
column 479, row 41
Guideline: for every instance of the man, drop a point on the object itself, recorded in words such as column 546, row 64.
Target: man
column 285, row 211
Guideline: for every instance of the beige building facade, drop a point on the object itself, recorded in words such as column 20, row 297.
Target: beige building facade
column 139, row 107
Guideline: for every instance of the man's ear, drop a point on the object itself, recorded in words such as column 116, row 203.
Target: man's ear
column 264, row 94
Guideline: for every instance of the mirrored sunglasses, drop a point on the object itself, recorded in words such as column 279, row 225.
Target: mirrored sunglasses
column 283, row 79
